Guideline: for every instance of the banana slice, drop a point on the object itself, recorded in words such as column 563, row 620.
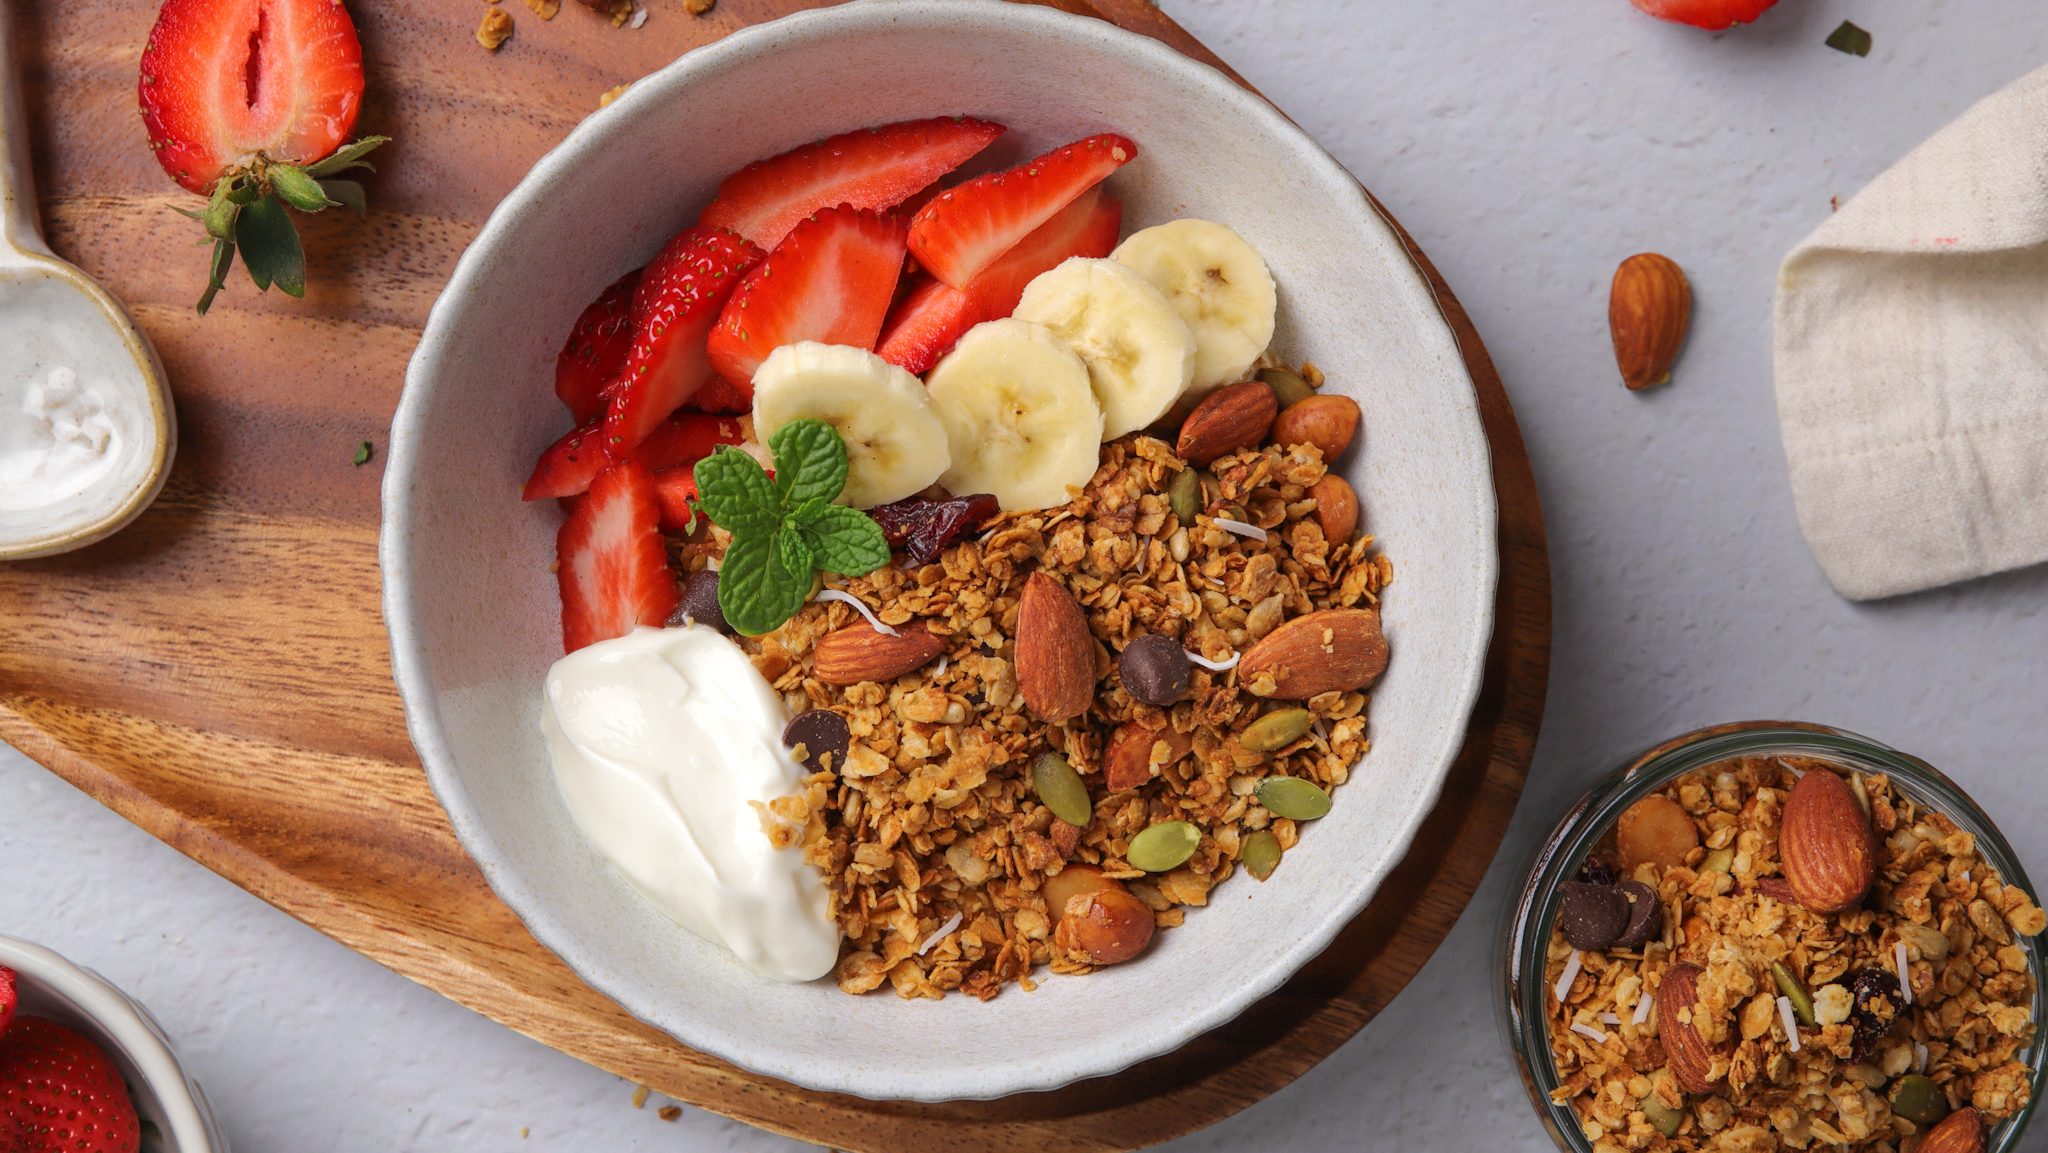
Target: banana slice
column 1217, row 283
column 1020, row 414
column 1139, row 352
column 895, row 443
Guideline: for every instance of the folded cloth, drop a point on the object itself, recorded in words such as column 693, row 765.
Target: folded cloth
column 1912, row 360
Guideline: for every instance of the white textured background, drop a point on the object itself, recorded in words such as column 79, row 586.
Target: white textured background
column 1529, row 145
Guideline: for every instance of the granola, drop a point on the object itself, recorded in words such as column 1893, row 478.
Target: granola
column 1809, row 1036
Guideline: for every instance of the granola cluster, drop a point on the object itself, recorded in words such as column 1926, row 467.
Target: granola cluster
column 933, row 843
column 1873, row 1063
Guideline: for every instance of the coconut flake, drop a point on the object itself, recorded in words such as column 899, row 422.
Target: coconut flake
column 639, row 18
column 1791, row 1021
column 1563, row 988
column 1241, row 528
column 1919, row 1057
column 1214, row 666
column 945, row 662
column 1609, row 1019
column 939, row 934
column 1905, row 974
column 1585, row 1030
column 858, row 606
column 1643, row 1004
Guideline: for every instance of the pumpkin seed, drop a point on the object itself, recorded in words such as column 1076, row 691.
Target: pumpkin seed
column 1276, row 730
column 1164, row 847
column 1184, row 495
column 1261, row 854
column 1662, row 1116
column 1795, row 992
column 1288, row 386
column 1060, row 788
column 1293, row 798
column 1919, row 1100
column 1719, row 861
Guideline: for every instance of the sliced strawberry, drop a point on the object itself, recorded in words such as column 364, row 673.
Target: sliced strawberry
column 63, row 1093
column 569, row 465
column 871, row 168
column 596, row 349
column 831, row 280
column 1715, row 15
column 610, row 562
column 965, row 229
column 673, row 491
column 723, row 397
column 925, row 325
column 223, row 80
column 8, row 999
column 682, row 290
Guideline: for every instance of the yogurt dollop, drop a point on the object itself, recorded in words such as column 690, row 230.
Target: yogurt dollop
column 659, row 741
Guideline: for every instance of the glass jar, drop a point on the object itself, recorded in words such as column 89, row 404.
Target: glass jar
column 1526, row 929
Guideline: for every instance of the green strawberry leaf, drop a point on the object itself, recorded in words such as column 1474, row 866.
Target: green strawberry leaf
column 348, row 157
column 846, row 541
column 297, row 189
column 810, row 462
column 349, row 194
column 756, row 591
column 220, row 213
column 270, row 247
column 737, row 496
column 217, row 277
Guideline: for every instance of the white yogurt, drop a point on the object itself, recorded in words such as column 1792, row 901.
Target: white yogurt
column 77, row 433
column 659, row 740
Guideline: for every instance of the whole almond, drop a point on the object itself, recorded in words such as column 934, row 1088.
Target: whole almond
column 1104, row 926
column 1960, row 1132
column 1333, row 650
column 1692, row 1063
column 1055, row 653
column 858, row 653
column 1648, row 309
column 1233, row 417
column 1327, row 421
column 1336, row 507
column 1826, row 844
column 1127, row 758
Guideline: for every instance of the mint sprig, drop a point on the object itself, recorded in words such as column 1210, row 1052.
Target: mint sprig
column 784, row 529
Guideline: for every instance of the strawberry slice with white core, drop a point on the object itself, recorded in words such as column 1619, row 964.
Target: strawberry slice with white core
column 963, row 230
column 925, row 325
column 596, row 349
column 830, row 280
column 568, row 466
column 682, row 291
column 871, row 168
column 610, row 560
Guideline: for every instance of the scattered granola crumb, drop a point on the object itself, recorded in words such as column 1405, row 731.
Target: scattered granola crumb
column 622, row 11
column 699, row 7
column 495, row 29
column 669, row 1112
column 545, row 9
column 522, row 1128
column 611, row 94
column 639, row 1096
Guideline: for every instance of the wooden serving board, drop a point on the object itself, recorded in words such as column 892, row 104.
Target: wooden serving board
column 218, row 672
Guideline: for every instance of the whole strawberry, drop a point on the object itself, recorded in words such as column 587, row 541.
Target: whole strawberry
column 62, row 1093
column 1713, row 15
column 250, row 103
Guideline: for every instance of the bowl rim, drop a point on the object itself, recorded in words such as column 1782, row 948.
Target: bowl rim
column 402, row 616
column 122, row 1023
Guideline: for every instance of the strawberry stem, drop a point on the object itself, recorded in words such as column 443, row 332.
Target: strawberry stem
column 250, row 207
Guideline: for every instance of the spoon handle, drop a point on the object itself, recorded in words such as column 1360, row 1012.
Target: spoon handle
column 18, row 228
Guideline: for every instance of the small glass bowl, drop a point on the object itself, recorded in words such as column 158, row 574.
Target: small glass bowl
column 1526, row 929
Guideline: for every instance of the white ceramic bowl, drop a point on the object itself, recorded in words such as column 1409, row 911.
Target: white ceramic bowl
column 75, row 996
column 472, row 607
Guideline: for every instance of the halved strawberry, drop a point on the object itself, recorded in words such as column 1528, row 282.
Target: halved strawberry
column 673, row 492
column 1714, row 15
column 224, row 80
column 682, row 291
column 871, row 168
column 925, row 324
column 596, row 349
column 568, row 466
column 610, row 562
column 830, row 280
column 963, row 230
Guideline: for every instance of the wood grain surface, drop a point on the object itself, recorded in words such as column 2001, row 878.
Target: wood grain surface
column 218, row 672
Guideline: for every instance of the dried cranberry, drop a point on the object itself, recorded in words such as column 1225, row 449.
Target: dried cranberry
column 1877, row 1003
column 923, row 526
column 1596, row 872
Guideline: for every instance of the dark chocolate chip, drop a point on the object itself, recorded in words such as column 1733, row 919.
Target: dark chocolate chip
column 700, row 604
column 1645, row 915
column 1155, row 670
column 1595, row 871
column 822, row 733
column 1877, row 1003
column 1592, row 916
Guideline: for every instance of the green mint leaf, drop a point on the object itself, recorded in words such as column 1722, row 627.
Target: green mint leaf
column 1851, row 39
column 806, row 512
column 794, row 551
column 362, row 454
column 270, row 247
column 347, row 158
column 217, row 276
column 756, row 591
column 846, row 541
column 810, row 462
column 297, row 189
column 737, row 496
column 349, row 194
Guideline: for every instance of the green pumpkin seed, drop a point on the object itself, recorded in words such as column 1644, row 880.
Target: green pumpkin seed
column 1060, row 788
column 1662, row 1116
column 1261, row 854
column 1719, row 861
column 1293, row 798
column 1276, row 730
column 1919, row 1100
column 1795, row 992
column 1164, row 847
column 1184, row 495
column 1288, row 386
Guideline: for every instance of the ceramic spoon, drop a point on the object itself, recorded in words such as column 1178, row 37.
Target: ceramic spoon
column 86, row 431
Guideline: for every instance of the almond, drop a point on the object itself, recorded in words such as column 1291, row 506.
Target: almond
column 1104, row 927
column 1127, row 761
column 1329, row 422
column 858, row 653
column 1333, row 650
column 1960, row 1132
column 1055, row 653
column 1336, row 508
column 1233, row 417
column 1692, row 1063
column 1648, row 309
column 1826, row 844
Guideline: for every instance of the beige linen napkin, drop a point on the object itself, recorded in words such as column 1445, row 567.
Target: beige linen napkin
column 1912, row 360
